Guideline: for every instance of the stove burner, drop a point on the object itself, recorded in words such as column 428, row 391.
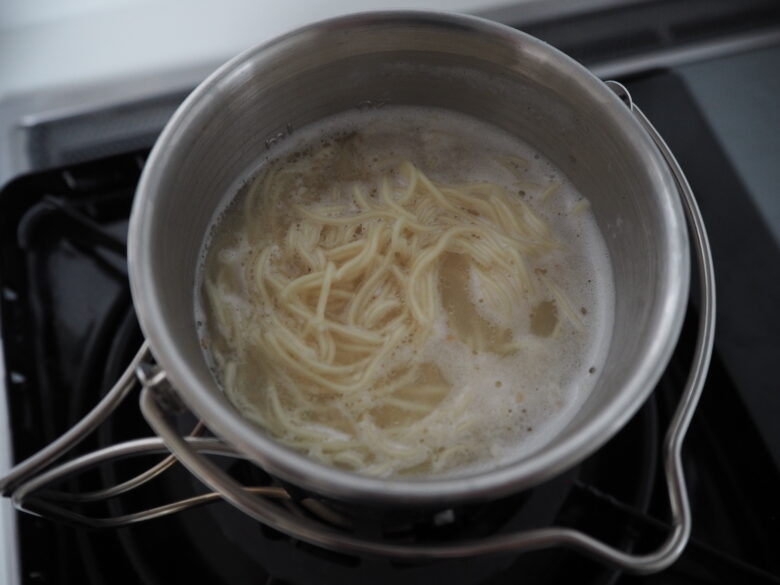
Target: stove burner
column 69, row 330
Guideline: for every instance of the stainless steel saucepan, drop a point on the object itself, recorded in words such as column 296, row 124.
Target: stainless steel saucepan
column 485, row 70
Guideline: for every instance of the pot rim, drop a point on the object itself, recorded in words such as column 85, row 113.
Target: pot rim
column 298, row 469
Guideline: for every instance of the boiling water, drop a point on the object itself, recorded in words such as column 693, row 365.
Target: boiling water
column 502, row 404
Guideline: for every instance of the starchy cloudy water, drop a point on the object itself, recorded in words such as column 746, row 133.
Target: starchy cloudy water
column 492, row 380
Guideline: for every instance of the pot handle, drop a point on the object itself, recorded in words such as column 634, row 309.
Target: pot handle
column 321, row 535
column 34, row 464
column 26, row 483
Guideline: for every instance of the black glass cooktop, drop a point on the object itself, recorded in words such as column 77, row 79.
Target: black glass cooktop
column 68, row 330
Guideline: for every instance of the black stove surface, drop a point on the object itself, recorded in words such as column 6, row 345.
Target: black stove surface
column 68, row 331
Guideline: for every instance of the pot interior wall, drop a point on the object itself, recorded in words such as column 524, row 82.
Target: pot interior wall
column 303, row 79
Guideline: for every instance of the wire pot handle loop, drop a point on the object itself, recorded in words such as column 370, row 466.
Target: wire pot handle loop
column 39, row 461
column 26, row 483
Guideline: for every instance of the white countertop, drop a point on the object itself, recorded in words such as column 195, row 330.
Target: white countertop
column 47, row 45
column 62, row 57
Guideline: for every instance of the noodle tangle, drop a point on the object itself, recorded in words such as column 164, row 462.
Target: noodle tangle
column 346, row 290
